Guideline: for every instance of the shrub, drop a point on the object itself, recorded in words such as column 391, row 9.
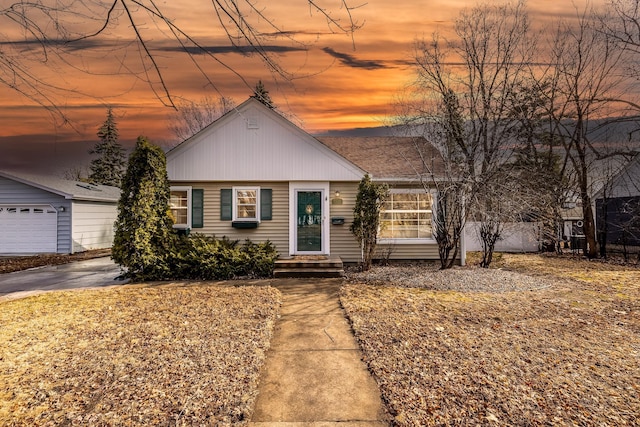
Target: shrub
column 366, row 217
column 200, row 257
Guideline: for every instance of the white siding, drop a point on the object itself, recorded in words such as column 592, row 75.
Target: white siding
column 275, row 150
column 517, row 237
column 92, row 225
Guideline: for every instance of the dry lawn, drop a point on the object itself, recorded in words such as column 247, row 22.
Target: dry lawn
column 135, row 355
column 565, row 354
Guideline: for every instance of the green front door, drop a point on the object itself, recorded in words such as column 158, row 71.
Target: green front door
column 309, row 229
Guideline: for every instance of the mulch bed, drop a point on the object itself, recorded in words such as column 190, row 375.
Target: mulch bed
column 17, row 263
column 135, row 355
column 566, row 352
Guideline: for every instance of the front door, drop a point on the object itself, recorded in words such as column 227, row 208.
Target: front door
column 309, row 221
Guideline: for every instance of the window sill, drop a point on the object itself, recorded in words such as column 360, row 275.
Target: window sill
column 182, row 231
column 407, row 242
column 245, row 224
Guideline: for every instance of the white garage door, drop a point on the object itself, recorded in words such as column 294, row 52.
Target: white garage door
column 28, row 229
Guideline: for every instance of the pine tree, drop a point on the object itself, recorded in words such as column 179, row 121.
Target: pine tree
column 143, row 237
column 108, row 168
column 262, row 94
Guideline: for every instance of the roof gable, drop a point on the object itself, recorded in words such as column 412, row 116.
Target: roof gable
column 73, row 190
column 626, row 183
column 255, row 143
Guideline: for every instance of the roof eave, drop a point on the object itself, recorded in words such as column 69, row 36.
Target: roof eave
column 36, row 185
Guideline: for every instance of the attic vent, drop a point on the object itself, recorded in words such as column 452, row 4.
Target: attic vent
column 88, row 186
column 252, row 123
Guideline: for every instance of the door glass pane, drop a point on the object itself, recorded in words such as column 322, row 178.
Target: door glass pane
column 309, row 213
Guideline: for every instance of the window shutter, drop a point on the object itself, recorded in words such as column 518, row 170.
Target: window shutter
column 197, row 208
column 265, row 204
column 225, row 204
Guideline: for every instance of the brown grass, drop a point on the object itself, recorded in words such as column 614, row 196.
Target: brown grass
column 564, row 355
column 135, row 355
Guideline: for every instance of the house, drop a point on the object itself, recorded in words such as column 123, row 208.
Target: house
column 252, row 174
column 45, row 214
column 617, row 207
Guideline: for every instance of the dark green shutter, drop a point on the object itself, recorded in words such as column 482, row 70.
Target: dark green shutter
column 265, row 204
column 225, row 204
column 197, row 208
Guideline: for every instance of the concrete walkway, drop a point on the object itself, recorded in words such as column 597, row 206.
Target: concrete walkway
column 314, row 375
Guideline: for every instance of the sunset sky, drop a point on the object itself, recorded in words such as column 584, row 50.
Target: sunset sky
column 335, row 82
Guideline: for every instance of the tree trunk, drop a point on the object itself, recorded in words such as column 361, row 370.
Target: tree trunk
column 589, row 226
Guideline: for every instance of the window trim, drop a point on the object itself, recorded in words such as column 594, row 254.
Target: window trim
column 412, row 240
column 234, row 204
column 189, row 201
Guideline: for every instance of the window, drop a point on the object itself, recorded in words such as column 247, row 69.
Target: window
column 407, row 215
column 246, row 204
column 180, row 205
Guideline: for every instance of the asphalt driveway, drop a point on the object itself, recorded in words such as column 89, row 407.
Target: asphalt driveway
column 79, row 274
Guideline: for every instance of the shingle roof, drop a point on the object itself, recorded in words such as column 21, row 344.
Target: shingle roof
column 389, row 157
column 74, row 190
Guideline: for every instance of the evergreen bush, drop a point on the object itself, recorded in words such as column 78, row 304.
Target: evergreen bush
column 200, row 257
column 143, row 238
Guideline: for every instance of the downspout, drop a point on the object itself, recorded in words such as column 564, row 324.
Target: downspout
column 463, row 241
column 463, row 246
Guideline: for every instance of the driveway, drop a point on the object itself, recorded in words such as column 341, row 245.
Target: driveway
column 79, row 274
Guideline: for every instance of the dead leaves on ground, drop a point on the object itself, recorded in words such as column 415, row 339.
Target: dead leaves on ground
column 182, row 355
column 569, row 355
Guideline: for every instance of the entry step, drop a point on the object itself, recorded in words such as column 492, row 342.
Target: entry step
column 309, row 266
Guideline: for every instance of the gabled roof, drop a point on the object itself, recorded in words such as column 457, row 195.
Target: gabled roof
column 254, row 143
column 389, row 157
column 625, row 183
column 72, row 190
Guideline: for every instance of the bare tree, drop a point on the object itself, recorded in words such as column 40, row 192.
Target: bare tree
column 49, row 32
column 191, row 117
column 585, row 84
column 76, row 173
column 541, row 165
column 622, row 26
column 463, row 99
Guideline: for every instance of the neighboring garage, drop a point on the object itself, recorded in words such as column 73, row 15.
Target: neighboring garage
column 45, row 214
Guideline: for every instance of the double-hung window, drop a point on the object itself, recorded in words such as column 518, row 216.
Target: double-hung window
column 246, row 204
column 406, row 216
column 180, row 206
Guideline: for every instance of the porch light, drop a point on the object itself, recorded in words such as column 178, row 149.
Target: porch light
column 336, row 199
column 61, row 209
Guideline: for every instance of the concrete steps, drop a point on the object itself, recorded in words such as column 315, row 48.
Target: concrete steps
column 320, row 266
